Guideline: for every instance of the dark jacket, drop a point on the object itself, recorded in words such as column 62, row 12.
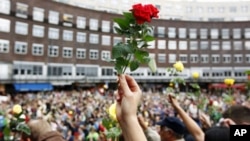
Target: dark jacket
column 51, row 136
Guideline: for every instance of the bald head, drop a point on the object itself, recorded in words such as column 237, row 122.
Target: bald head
column 38, row 127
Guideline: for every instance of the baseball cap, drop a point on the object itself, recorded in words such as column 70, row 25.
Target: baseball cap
column 173, row 123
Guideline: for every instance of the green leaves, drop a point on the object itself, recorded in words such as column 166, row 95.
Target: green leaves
column 132, row 53
column 24, row 128
column 195, row 86
column 124, row 23
column 113, row 131
column 121, row 50
column 148, row 38
column 134, row 64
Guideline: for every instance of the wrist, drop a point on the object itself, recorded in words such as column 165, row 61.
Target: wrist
column 128, row 120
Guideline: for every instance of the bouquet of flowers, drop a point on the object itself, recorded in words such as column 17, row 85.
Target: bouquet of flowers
column 9, row 126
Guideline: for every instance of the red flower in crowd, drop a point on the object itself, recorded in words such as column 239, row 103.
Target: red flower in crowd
column 144, row 13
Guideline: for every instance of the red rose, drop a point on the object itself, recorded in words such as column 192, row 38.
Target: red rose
column 153, row 10
column 145, row 13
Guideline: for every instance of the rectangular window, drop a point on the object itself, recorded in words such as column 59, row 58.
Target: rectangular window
column 93, row 24
column 117, row 40
column 53, row 33
column 247, row 45
column 67, row 71
column 53, row 17
column 204, row 45
column 215, row 58
column 247, row 58
column 193, row 45
column 221, row 9
column 194, row 58
column 226, row 58
column 172, row 58
column 38, row 31
column 67, row 52
column 193, row 33
column 237, row 33
column 172, row 45
column 81, row 37
column 38, row 14
column 204, row 58
column 161, row 44
column 67, row 35
column 151, row 45
column 91, row 71
column 37, row 49
column 226, row 45
column 81, row 22
column 93, row 54
column 225, row 33
column 247, row 33
column 53, row 51
column 233, row 9
column 21, row 10
column 171, row 32
column 182, row 33
column 80, row 71
column 5, row 25
column 182, row 45
column 80, row 53
column 94, row 38
column 105, row 55
column 105, row 26
column 4, row 46
column 238, row 58
column 54, row 71
column 183, row 58
column 214, row 33
column 237, row 45
column 37, row 70
column 161, row 58
column 21, row 47
column 5, row 7
column 106, row 40
column 161, row 31
column 67, row 20
column 203, row 33
column 21, row 28
column 215, row 45
column 107, row 72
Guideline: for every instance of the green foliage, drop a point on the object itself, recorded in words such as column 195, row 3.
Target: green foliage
column 132, row 53
column 16, row 124
column 24, row 128
column 113, row 131
column 227, row 98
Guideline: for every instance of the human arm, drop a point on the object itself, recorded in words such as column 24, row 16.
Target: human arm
column 128, row 98
column 191, row 125
column 150, row 134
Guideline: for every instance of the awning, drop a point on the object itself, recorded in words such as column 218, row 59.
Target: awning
column 21, row 87
column 241, row 86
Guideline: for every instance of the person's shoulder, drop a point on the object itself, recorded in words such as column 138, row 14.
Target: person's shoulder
column 51, row 136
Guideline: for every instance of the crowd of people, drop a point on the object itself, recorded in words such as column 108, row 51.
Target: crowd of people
column 142, row 115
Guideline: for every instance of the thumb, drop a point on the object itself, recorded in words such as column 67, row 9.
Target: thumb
column 123, row 85
column 170, row 98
